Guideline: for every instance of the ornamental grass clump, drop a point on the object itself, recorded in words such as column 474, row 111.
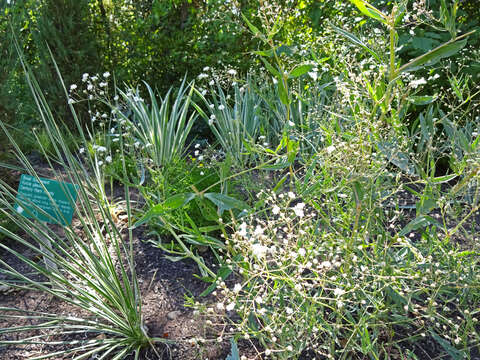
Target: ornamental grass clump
column 90, row 268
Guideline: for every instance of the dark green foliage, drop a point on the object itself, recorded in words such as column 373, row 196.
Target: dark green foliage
column 179, row 178
column 64, row 28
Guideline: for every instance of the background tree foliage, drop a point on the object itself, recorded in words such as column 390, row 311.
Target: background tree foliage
column 162, row 40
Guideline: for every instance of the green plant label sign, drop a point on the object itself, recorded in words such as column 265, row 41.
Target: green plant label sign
column 46, row 200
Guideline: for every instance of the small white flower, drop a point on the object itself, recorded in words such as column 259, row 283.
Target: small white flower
column 85, row 77
column 230, row 306
column 298, row 209
column 73, row 87
column 202, row 173
column 302, row 252
column 259, row 251
column 291, row 123
column 221, row 107
column 115, row 98
column 202, row 76
column 298, row 287
column 232, row 72
column 200, row 158
column 101, row 149
column 243, row 229
column 211, row 82
column 338, row 292
column 108, row 159
column 100, row 163
column 220, row 306
column 258, row 230
column 330, row 149
column 89, row 87
column 416, row 83
column 81, row 150
column 197, row 146
column 237, row 288
column 275, row 210
column 206, row 68
column 211, row 120
column 291, row 195
column 288, row 310
column 102, row 84
column 71, row 101
column 106, row 74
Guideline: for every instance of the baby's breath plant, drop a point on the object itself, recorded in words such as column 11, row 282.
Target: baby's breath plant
column 306, row 285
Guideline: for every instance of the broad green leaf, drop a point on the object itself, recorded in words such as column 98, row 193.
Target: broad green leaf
column 267, row 53
column 222, row 274
column 424, row 43
column 279, row 166
column 418, row 223
column 272, row 70
column 172, row 203
column 280, row 183
column 300, row 70
column 467, row 253
column 252, row 27
column 282, row 93
column 398, row 299
column 208, row 210
column 252, row 321
column 225, row 202
column 358, row 192
column 444, row 179
column 445, row 50
column 178, row 201
column 422, row 100
column 425, row 205
column 234, row 354
column 369, row 10
column 204, row 240
column 447, row 346
column 397, row 157
column 356, row 41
